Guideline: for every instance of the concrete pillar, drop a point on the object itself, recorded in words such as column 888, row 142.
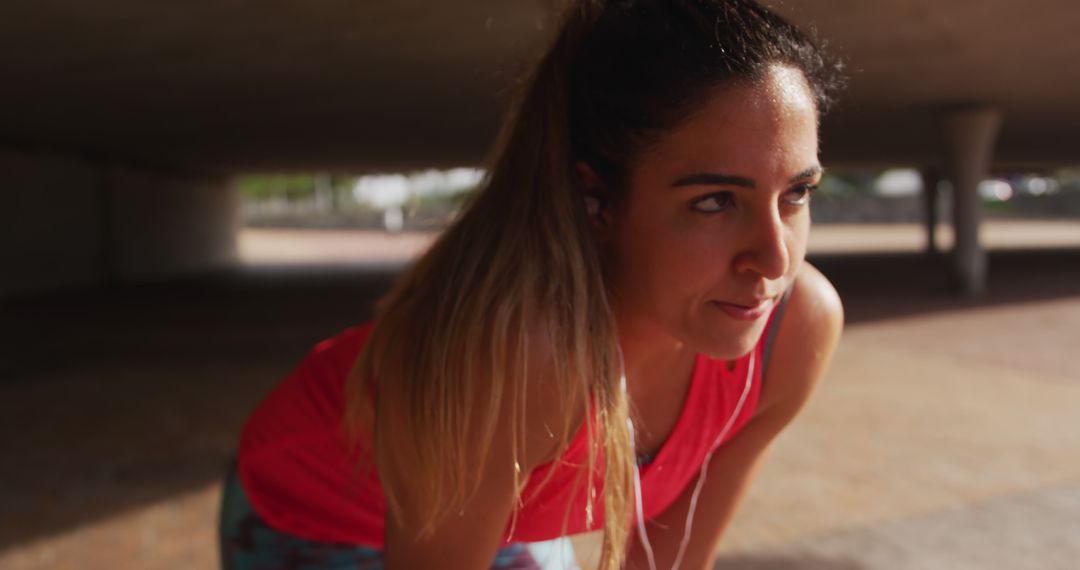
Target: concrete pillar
column 68, row 221
column 324, row 193
column 165, row 224
column 970, row 134
column 930, row 180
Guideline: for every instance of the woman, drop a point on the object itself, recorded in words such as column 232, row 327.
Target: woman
column 597, row 341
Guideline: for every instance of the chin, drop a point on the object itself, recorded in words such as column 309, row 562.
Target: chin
column 729, row 345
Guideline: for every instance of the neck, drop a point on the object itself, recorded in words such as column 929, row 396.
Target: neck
column 649, row 356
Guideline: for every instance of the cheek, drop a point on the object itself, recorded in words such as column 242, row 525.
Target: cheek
column 662, row 260
column 692, row 265
column 797, row 243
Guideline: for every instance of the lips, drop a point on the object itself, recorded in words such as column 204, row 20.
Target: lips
column 746, row 311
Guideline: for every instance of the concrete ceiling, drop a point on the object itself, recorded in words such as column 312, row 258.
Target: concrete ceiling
column 237, row 85
column 912, row 60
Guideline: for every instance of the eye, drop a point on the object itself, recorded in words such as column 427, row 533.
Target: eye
column 713, row 203
column 800, row 195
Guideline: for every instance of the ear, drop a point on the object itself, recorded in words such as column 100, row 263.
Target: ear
column 595, row 196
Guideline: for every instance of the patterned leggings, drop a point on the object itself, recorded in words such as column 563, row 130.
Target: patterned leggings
column 248, row 543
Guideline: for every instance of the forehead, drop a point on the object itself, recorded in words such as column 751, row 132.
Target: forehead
column 747, row 124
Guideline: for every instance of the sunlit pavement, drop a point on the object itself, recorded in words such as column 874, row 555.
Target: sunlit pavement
column 948, row 440
column 946, row 435
column 277, row 247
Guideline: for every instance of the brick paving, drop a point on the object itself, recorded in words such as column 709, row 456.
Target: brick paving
column 945, row 436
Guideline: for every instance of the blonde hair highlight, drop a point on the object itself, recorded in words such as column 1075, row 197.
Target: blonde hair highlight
column 518, row 260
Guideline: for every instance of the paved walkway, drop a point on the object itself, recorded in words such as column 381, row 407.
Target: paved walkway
column 946, row 435
column 278, row 247
column 949, row 440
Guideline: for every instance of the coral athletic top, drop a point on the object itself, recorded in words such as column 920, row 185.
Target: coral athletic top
column 299, row 475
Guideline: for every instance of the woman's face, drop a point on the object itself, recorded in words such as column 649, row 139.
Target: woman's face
column 713, row 226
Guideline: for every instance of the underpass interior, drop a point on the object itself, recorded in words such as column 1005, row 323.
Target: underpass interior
column 134, row 341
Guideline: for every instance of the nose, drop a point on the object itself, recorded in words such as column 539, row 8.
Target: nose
column 765, row 252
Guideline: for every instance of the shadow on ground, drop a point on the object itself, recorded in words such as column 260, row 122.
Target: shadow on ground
column 116, row 398
column 120, row 397
column 886, row 286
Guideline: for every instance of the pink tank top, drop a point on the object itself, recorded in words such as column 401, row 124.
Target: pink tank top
column 299, row 475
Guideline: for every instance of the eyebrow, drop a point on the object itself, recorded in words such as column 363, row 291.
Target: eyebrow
column 720, row 179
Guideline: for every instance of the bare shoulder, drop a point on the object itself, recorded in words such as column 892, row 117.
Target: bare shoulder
column 805, row 341
column 815, row 303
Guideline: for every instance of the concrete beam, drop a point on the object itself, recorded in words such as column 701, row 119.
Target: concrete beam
column 970, row 134
column 385, row 85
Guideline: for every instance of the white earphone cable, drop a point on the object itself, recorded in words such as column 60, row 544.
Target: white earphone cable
column 705, row 464
column 639, row 510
